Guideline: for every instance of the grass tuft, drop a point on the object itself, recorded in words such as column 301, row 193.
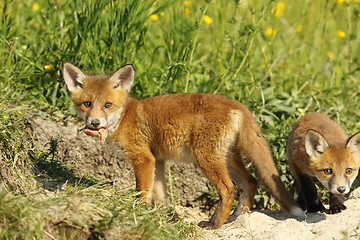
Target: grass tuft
column 97, row 212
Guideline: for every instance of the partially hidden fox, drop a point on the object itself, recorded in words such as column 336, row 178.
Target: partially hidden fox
column 319, row 147
column 210, row 130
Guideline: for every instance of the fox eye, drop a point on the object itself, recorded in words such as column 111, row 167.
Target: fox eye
column 328, row 171
column 108, row 105
column 348, row 171
column 87, row 104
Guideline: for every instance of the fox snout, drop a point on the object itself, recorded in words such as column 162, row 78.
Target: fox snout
column 339, row 186
column 339, row 190
column 336, row 183
column 95, row 123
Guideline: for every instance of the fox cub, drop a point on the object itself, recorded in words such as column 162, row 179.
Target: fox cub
column 207, row 129
column 319, row 147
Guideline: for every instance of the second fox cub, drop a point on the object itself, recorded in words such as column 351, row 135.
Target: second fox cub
column 208, row 129
column 319, row 147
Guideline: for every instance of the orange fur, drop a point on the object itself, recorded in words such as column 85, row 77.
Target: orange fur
column 319, row 147
column 210, row 130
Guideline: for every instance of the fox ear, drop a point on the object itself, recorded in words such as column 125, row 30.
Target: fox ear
column 353, row 143
column 73, row 76
column 315, row 144
column 123, row 78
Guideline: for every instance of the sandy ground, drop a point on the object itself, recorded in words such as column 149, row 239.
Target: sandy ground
column 278, row 225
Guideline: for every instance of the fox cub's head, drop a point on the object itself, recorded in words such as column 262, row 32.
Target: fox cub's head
column 99, row 99
column 336, row 165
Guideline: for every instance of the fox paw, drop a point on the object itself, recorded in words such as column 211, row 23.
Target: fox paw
column 237, row 212
column 207, row 225
column 231, row 218
column 336, row 209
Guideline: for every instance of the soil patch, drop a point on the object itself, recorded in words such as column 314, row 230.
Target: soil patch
column 88, row 156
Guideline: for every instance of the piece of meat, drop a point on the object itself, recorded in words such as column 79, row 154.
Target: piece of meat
column 102, row 133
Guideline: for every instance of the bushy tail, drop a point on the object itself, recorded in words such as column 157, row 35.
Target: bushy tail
column 255, row 148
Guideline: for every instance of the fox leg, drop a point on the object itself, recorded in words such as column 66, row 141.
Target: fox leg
column 336, row 204
column 246, row 185
column 144, row 166
column 308, row 198
column 160, row 182
column 216, row 171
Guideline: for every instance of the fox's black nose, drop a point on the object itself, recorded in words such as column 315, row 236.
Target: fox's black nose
column 341, row 189
column 95, row 122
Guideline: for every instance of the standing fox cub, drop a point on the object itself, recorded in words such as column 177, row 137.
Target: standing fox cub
column 208, row 129
column 319, row 147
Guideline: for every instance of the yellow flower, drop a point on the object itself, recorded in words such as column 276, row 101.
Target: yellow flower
column 36, row 7
column 279, row 9
column 187, row 3
column 19, row 112
column 270, row 32
column 207, row 19
column 341, row 34
column 301, row 111
column 330, row 55
column 299, row 29
column 5, row 117
column 343, row 1
column 154, row 17
column 49, row 67
column 187, row 11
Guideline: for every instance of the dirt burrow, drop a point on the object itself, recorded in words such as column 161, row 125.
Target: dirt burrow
column 87, row 156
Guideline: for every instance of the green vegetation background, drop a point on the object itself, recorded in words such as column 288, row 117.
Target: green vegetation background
column 282, row 59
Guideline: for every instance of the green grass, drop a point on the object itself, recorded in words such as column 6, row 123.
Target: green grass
column 97, row 212
column 279, row 63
